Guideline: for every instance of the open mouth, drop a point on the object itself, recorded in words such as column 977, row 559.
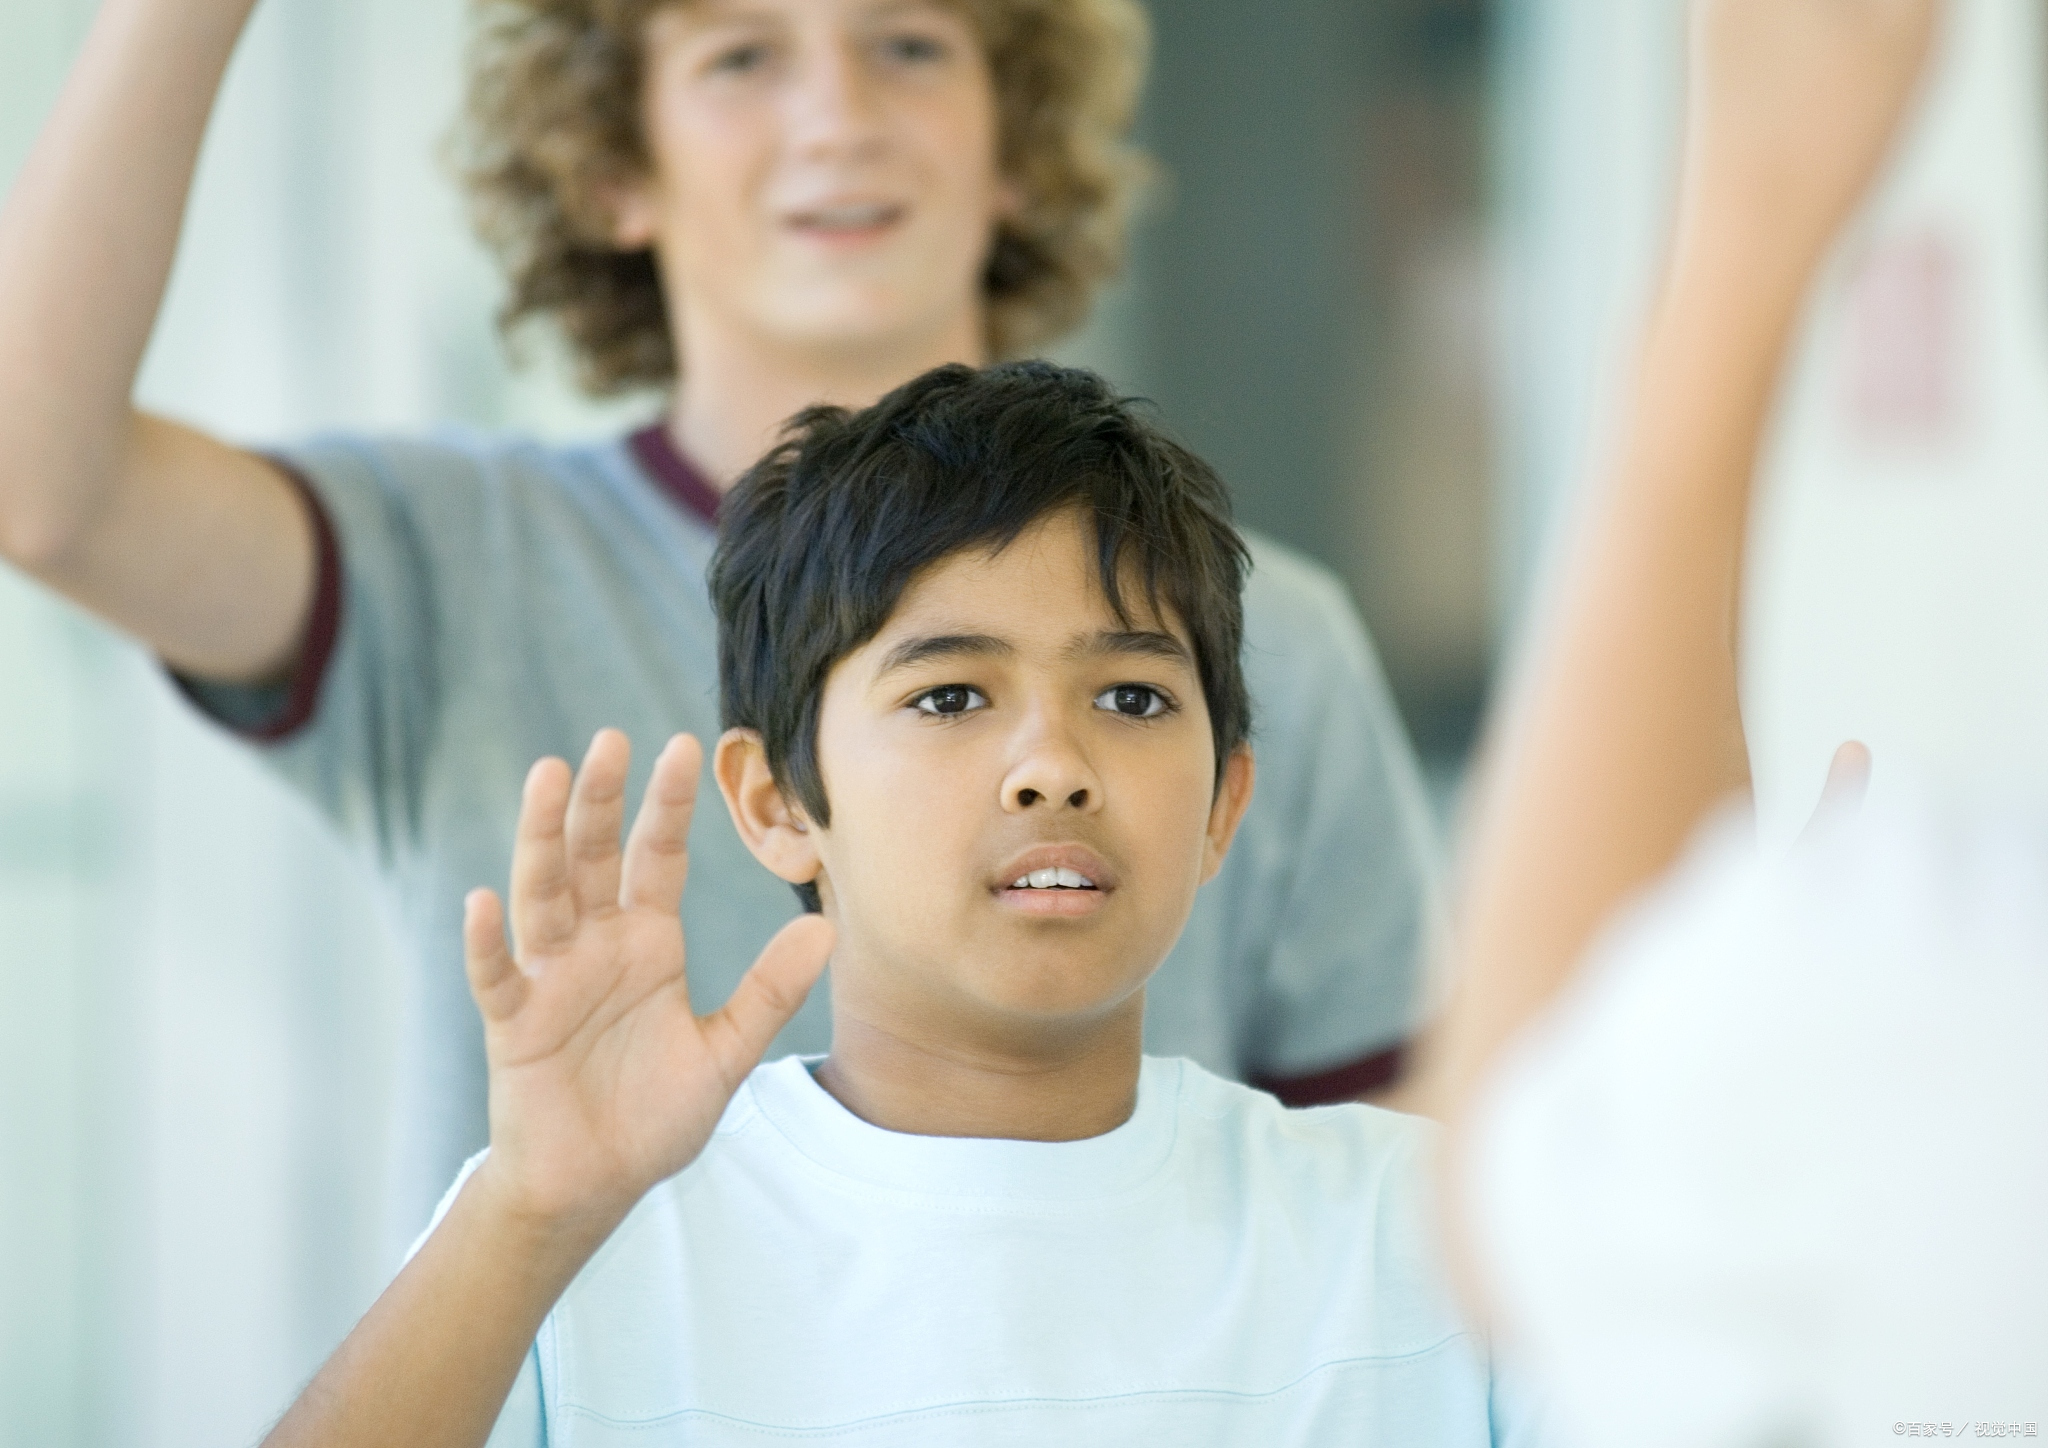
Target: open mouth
column 850, row 220
column 1065, row 881
column 1055, row 878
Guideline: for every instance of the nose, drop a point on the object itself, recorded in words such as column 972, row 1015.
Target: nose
column 833, row 110
column 1050, row 772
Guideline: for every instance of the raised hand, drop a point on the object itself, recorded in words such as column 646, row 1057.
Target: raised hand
column 1795, row 103
column 603, row 1081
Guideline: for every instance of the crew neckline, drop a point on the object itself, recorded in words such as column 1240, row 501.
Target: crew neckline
column 986, row 1170
column 682, row 480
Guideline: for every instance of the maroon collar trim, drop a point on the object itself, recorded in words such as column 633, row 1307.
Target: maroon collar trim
column 688, row 488
column 1340, row 1083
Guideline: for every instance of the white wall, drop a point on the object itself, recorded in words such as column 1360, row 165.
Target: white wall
column 195, row 991
column 1900, row 594
column 1896, row 594
column 1586, row 135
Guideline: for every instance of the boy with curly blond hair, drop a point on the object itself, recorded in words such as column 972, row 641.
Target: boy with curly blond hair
column 757, row 208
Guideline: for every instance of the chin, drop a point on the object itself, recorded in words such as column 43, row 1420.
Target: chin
column 1057, row 995
column 864, row 315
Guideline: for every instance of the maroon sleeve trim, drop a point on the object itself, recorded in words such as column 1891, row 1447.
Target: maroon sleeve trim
column 1339, row 1083
column 323, row 627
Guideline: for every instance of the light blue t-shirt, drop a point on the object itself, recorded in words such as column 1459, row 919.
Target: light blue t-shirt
column 1217, row 1270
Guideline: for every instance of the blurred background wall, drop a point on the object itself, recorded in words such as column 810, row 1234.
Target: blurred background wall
column 1390, row 288
column 196, row 995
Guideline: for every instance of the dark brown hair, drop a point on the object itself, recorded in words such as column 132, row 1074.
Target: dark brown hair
column 819, row 539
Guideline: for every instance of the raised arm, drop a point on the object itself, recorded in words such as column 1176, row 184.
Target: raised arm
column 602, row 1083
column 1624, row 731
column 202, row 550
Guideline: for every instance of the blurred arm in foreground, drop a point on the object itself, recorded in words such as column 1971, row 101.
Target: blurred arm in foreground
column 1756, row 1160
column 1623, row 733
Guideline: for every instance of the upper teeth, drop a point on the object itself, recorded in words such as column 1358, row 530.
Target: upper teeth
column 1058, row 877
column 869, row 215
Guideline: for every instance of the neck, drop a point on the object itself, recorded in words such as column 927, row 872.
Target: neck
column 1067, row 1085
column 738, row 388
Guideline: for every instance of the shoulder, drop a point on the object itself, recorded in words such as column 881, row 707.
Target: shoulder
column 1306, row 651
column 1351, row 1152
column 1343, row 1191
column 1288, row 593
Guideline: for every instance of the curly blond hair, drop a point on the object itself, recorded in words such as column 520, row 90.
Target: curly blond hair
column 552, row 123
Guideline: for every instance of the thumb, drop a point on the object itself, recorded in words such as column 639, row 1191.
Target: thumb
column 769, row 994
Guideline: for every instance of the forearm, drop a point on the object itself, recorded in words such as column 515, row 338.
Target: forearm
column 87, row 236
column 434, row 1358
column 1628, row 729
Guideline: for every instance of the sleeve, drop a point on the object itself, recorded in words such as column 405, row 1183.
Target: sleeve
column 1590, row 1180
column 1759, row 1157
column 266, row 713
column 447, row 1200
column 352, row 727
column 1343, row 845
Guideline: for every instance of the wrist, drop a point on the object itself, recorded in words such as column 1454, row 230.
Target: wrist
column 1736, row 269
column 1757, row 238
column 547, row 1230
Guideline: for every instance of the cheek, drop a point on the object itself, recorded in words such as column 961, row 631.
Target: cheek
column 1173, row 815
column 957, row 135
column 706, row 160
column 900, row 813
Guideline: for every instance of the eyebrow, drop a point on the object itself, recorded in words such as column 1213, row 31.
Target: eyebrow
column 711, row 13
column 1143, row 643
column 914, row 651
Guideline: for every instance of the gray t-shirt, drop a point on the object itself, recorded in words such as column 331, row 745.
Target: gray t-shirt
column 500, row 600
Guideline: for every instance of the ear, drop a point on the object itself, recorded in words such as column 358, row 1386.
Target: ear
column 629, row 203
column 777, row 831
column 1232, row 798
column 1009, row 198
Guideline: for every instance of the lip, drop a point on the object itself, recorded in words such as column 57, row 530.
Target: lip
column 1056, row 904
column 805, row 219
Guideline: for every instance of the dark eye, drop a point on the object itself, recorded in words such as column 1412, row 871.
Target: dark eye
column 914, row 48
column 1133, row 701
column 741, row 59
column 949, row 699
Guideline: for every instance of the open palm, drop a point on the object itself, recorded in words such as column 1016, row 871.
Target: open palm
column 603, row 1081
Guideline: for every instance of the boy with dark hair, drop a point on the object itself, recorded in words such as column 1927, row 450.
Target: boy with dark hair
column 979, row 645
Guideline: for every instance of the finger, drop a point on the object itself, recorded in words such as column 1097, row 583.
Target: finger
column 494, row 979
column 658, row 852
column 543, row 907
column 1848, row 776
column 768, row 995
column 597, row 807
column 1847, row 782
